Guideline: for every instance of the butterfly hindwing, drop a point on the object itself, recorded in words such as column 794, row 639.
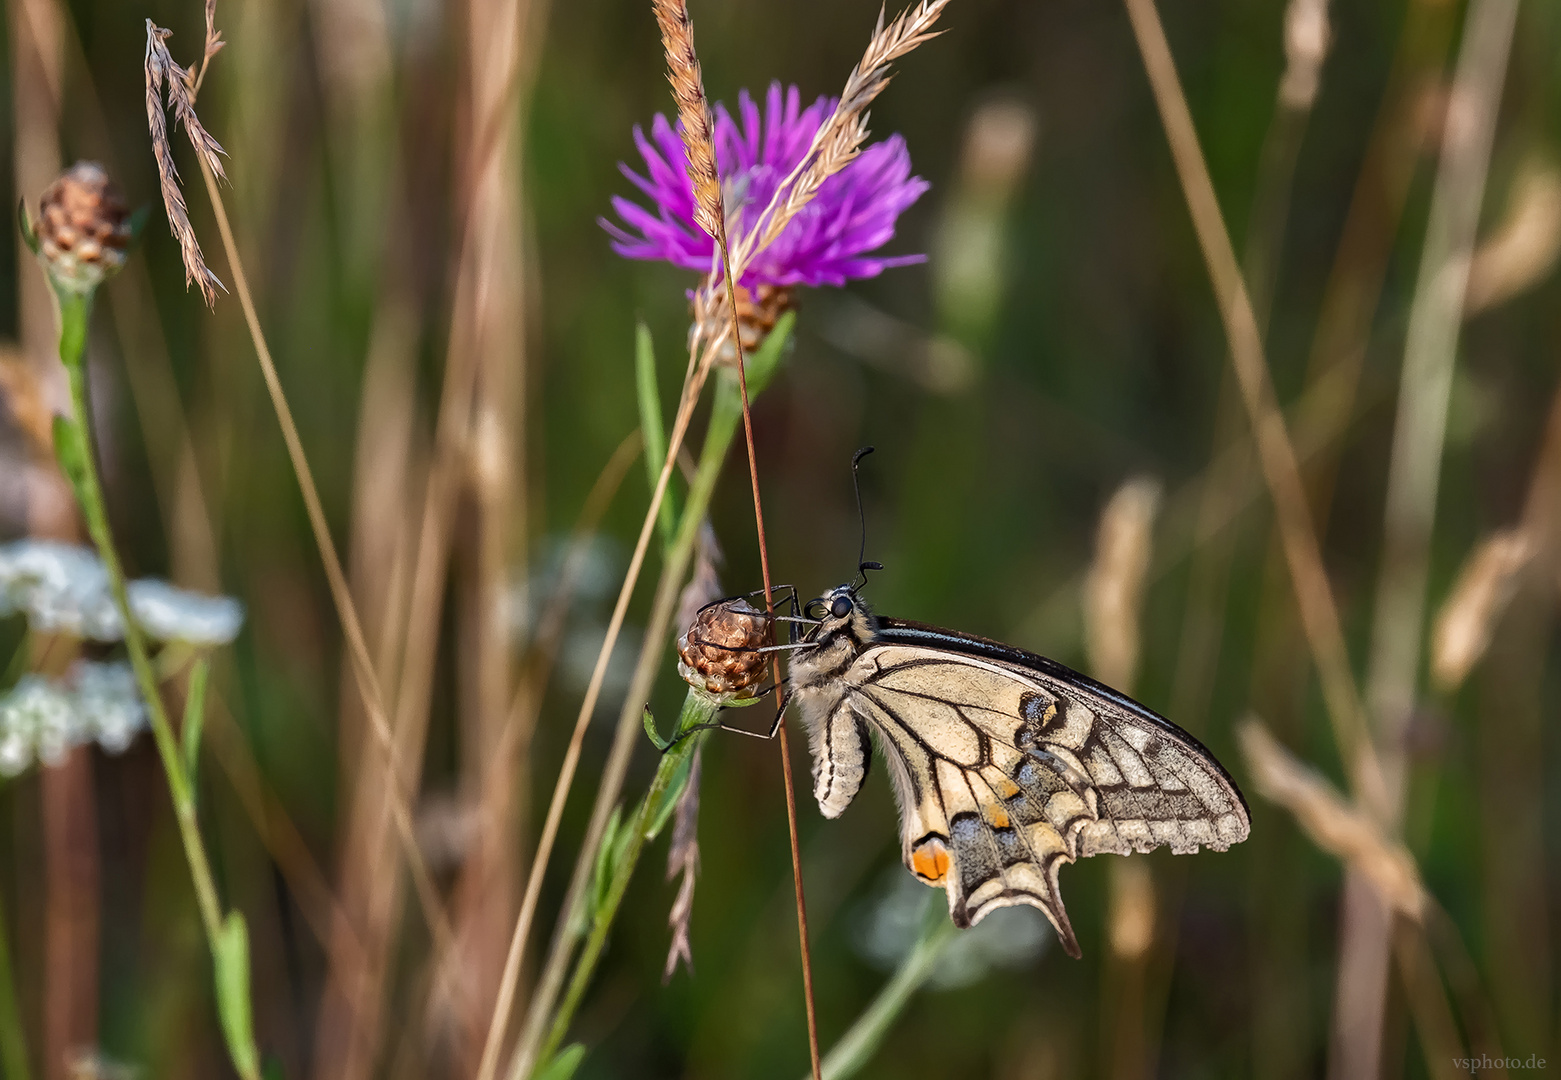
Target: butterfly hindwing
column 1007, row 765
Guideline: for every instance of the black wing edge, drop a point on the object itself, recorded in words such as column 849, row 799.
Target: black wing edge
column 907, row 632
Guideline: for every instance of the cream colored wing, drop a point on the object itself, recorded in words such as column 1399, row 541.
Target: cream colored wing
column 1003, row 773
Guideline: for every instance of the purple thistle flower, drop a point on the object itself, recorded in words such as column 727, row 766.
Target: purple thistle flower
column 829, row 241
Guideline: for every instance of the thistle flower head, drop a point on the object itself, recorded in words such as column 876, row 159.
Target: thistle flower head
column 828, row 242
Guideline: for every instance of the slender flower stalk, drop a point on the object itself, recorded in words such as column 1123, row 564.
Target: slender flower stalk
column 73, row 442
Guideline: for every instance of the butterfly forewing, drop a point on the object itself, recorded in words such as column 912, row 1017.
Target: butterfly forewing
column 1007, row 765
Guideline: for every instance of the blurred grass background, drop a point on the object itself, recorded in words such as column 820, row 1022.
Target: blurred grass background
column 1061, row 339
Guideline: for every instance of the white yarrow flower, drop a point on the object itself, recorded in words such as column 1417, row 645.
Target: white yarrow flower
column 168, row 613
column 38, row 713
column 43, row 719
column 109, row 708
column 63, row 588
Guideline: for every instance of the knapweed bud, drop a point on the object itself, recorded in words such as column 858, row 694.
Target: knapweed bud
column 83, row 228
column 757, row 314
column 719, row 653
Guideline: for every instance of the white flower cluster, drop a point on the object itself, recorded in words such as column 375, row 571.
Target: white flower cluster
column 63, row 588
column 43, row 719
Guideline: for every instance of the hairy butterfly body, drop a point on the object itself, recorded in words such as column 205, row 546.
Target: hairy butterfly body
column 1005, row 764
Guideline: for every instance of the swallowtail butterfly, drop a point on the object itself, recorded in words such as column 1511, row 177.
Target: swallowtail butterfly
column 1005, row 764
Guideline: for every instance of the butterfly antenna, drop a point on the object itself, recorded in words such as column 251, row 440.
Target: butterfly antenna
column 862, row 565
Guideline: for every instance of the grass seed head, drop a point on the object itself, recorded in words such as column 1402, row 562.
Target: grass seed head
column 688, row 90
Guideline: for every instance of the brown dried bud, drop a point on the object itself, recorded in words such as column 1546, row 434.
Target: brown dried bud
column 718, row 654
column 83, row 227
column 756, row 317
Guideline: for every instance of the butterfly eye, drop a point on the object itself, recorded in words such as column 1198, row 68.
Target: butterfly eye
column 841, row 607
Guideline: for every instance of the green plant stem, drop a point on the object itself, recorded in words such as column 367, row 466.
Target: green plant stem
column 73, row 439
column 725, row 414
column 697, row 709
column 13, row 1039
column 857, row 1046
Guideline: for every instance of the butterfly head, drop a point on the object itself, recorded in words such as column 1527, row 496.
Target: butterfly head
column 841, row 614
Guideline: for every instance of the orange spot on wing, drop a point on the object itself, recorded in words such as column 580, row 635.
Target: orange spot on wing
column 930, row 861
column 996, row 816
column 1005, row 788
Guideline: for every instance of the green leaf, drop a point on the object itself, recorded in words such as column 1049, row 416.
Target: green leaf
column 653, row 429
column 29, row 236
column 669, row 798
column 562, row 1065
column 620, row 851
column 601, row 877
column 194, row 717
column 231, row 956
column 650, row 730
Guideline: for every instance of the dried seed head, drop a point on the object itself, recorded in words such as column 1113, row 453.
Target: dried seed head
column 83, row 227
column 1475, row 605
column 718, row 652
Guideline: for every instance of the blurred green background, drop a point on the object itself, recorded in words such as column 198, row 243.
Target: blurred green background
column 1061, row 339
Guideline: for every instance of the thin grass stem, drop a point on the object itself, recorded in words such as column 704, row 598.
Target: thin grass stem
column 769, row 608
column 1276, row 453
column 341, row 594
column 528, row 698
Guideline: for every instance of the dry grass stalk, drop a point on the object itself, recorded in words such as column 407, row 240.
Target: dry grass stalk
column 840, row 138
column 362, row 665
column 683, row 852
column 1276, row 452
column 1484, row 586
column 529, row 692
column 1114, row 590
column 161, row 72
column 1525, row 245
column 1307, row 37
column 688, row 90
column 683, row 858
column 1332, row 822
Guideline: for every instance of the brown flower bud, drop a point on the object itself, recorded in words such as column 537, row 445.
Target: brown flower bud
column 83, row 227
column 757, row 314
column 718, row 654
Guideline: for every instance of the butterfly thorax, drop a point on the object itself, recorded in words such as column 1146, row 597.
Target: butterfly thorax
column 819, row 686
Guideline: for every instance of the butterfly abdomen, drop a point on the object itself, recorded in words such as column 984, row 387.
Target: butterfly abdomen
column 842, row 750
